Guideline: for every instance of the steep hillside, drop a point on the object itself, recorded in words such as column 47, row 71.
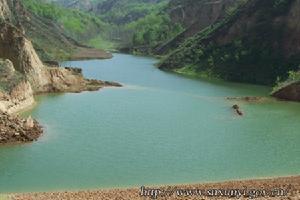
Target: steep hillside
column 52, row 29
column 113, row 11
column 152, row 30
column 258, row 43
column 168, row 24
column 125, row 11
column 125, row 18
column 194, row 16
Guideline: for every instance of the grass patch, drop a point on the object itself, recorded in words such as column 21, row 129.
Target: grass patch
column 100, row 43
column 190, row 71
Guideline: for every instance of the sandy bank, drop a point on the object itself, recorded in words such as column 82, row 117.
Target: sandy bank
column 281, row 188
column 90, row 53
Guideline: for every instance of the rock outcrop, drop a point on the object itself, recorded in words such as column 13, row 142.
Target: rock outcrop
column 15, row 91
column 289, row 92
column 13, row 129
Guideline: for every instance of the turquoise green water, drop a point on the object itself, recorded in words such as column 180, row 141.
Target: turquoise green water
column 159, row 128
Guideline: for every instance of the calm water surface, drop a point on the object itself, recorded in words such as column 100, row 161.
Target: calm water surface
column 159, row 128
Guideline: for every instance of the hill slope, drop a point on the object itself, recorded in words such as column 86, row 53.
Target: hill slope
column 194, row 16
column 258, row 43
column 52, row 29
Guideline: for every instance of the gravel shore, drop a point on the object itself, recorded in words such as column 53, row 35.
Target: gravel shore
column 286, row 188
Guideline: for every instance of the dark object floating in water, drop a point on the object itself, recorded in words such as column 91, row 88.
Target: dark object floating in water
column 237, row 109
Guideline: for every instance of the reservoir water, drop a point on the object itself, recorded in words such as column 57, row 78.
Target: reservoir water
column 160, row 128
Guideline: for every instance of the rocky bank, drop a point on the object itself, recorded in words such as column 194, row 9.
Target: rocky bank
column 23, row 74
column 14, row 129
column 289, row 92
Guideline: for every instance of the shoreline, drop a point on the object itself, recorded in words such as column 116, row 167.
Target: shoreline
column 289, row 186
column 84, row 53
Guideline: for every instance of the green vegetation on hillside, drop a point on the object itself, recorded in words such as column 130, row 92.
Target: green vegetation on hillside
column 77, row 24
column 100, row 43
column 128, row 23
column 122, row 12
column 153, row 29
column 149, row 26
column 249, row 57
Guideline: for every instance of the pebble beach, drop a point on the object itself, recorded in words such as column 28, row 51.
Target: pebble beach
column 284, row 188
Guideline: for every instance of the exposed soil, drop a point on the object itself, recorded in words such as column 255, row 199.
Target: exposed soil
column 90, row 53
